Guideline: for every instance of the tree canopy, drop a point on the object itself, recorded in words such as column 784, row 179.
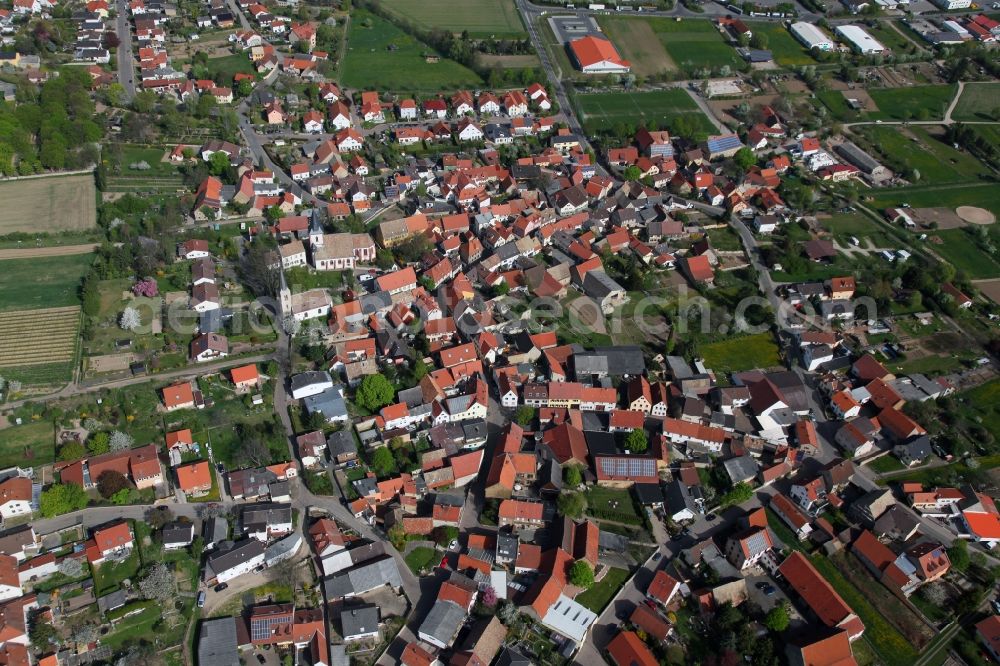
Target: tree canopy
column 637, row 442
column 62, row 498
column 581, row 574
column 375, row 392
column 571, row 504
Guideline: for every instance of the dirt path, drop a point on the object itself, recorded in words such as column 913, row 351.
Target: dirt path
column 33, row 252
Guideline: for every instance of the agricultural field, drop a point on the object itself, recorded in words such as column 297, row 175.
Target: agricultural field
column 742, row 353
column 222, row 70
column 43, row 282
column 161, row 175
column 937, row 162
column 47, row 205
column 979, row 101
column 638, row 44
column 958, row 248
column 686, row 45
column 33, row 443
column 663, row 107
column 890, row 38
column 481, row 18
column 381, row 56
column 919, row 102
column 787, row 51
column 39, row 338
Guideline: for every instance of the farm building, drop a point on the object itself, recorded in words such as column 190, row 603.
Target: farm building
column 860, row 40
column 596, row 55
column 859, row 158
column 811, row 36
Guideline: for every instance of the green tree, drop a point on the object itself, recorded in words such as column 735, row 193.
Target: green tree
column 112, row 482
column 572, row 504
column 62, row 498
column 397, row 536
column 72, row 451
column 581, row 574
column 572, row 476
column 777, row 618
column 444, row 535
column 383, row 463
column 637, row 442
column 121, row 497
column 744, row 158
column 218, row 163
column 738, row 494
column 375, row 392
column 958, row 553
column 525, row 414
column 632, row 173
column 99, row 444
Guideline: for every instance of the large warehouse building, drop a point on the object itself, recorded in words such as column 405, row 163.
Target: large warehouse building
column 811, row 36
column 596, row 55
column 860, row 40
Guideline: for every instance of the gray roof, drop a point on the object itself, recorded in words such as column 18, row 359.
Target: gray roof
column 109, row 602
column 449, row 499
column 217, row 643
column 475, row 429
column 304, row 379
column 443, row 621
column 330, row 403
column 362, row 578
column 507, row 546
column 265, row 514
column 178, row 533
column 859, row 158
column 511, row 657
column 376, row 301
column 741, row 469
column 600, row 284
column 242, row 551
column 359, row 620
column 618, row 361
column 341, row 443
column 679, row 496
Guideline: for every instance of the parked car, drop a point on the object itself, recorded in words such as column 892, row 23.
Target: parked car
column 201, row 599
column 221, row 587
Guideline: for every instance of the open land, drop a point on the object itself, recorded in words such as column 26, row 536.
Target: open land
column 50, row 204
column 920, row 102
column 687, row 45
column 937, row 162
column 42, row 282
column 787, row 51
column 742, row 353
column 481, row 18
column 381, row 56
column 637, row 43
column 979, row 101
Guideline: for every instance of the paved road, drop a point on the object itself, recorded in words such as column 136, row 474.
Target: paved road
column 126, row 61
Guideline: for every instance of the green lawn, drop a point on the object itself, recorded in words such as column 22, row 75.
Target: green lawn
column 743, row 353
column 937, row 162
column 725, row 238
column 836, row 103
column 44, row 282
column 889, row 38
column 887, row 463
column 919, row 102
column 784, row 533
column 420, row 558
column 481, row 18
column 380, row 56
column 983, row 405
column 951, row 196
column 153, row 156
column 959, row 249
column 888, row 643
column 108, row 576
column 663, row 107
column 932, row 366
column 32, row 443
column 787, row 50
column 222, row 70
column 979, row 101
column 612, row 504
column 301, row 279
column 598, row 596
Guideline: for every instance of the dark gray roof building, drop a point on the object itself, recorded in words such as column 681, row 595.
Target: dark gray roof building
column 217, row 643
column 362, row 578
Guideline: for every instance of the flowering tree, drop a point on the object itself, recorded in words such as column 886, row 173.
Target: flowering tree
column 129, row 319
column 158, row 584
column 120, row 441
column 146, row 287
column 489, row 597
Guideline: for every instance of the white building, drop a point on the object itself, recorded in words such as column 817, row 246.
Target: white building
column 811, row 36
column 951, row 5
column 242, row 558
column 860, row 40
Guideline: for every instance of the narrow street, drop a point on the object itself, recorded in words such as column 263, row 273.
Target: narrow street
column 126, row 61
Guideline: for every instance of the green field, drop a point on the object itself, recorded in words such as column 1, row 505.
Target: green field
column 979, row 101
column 951, row 196
column 32, row 443
column 959, row 249
column 787, row 51
column 222, row 70
column 983, row 403
column 836, row 103
column 937, row 162
column 845, row 226
column 370, row 64
column 43, row 282
column 891, row 39
column 600, row 595
column 694, row 43
column 152, row 155
column 919, row 102
column 743, row 353
column 481, row 18
column 664, row 107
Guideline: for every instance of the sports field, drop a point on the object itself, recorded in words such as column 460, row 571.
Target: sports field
column 663, row 107
column 482, row 18
column 50, row 204
column 916, row 102
column 687, row 45
column 383, row 57
column 979, row 101
column 638, row 44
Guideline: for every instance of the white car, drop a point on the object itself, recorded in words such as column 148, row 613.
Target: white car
column 365, row 277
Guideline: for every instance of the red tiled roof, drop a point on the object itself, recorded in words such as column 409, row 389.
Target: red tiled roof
column 814, row 590
column 627, row 649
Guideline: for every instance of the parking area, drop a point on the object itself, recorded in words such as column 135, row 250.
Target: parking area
column 568, row 28
column 765, row 592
